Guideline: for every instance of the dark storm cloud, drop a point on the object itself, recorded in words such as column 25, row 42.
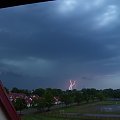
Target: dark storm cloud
column 55, row 46
column 62, row 40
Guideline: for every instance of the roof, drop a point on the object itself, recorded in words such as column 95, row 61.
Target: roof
column 7, row 106
column 10, row 3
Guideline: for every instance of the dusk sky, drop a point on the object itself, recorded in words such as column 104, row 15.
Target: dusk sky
column 46, row 44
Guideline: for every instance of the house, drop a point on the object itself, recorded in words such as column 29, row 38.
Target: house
column 14, row 96
column 57, row 100
column 7, row 111
column 28, row 99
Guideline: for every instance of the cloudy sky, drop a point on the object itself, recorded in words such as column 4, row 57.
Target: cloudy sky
column 47, row 44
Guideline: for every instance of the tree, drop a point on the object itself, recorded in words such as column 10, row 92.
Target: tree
column 40, row 92
column 67, row 98
column 108, row 93
column 86, row 94
column 19, row 104
column 49, row 99
column 100, row 96
column 57, row 92
column 24, row 91
column 93, row 94
column 15, row 90
column 41, row 104
column 78, row 97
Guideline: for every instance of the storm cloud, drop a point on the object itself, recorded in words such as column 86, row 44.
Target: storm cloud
column 47, row 44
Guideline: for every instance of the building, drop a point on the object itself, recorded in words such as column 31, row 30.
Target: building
column 28, row 99
column 7, row 111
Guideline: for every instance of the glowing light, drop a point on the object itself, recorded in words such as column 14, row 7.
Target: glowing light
column 72, row 83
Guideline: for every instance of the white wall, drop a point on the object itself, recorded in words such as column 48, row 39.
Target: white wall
column 2, row 115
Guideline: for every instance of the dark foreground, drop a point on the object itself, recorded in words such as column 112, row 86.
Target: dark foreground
column 92, row 111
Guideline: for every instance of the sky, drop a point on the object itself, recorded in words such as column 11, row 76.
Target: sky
column 45, row 45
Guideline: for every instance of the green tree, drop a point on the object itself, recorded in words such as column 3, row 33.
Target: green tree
column 57, row 92
column 40, row 92
column 15, row 90
column 49, row 100
column 19, row 104
column 93, row 94
column 100, row 96
column 67, row 98
column 86, row 94
column 40, row 104
column 78, row 97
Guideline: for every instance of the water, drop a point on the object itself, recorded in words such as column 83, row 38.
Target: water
column 110, row 108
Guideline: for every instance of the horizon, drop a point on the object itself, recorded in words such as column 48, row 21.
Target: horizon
column 78, row 89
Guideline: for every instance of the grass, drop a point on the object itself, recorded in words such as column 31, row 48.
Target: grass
column 38, row 117
column 92, row 108
column 88, row 108
column 110, row 103
column 44, row 117
column 63, row 113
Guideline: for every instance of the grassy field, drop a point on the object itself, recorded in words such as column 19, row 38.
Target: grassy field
column 92, row 108
column 68, row 113
column 40, row 117
column 110, row 103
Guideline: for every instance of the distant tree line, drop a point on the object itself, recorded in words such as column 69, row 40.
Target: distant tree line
column 67, row 97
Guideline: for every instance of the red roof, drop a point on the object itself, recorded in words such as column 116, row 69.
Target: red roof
column 7, row 105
